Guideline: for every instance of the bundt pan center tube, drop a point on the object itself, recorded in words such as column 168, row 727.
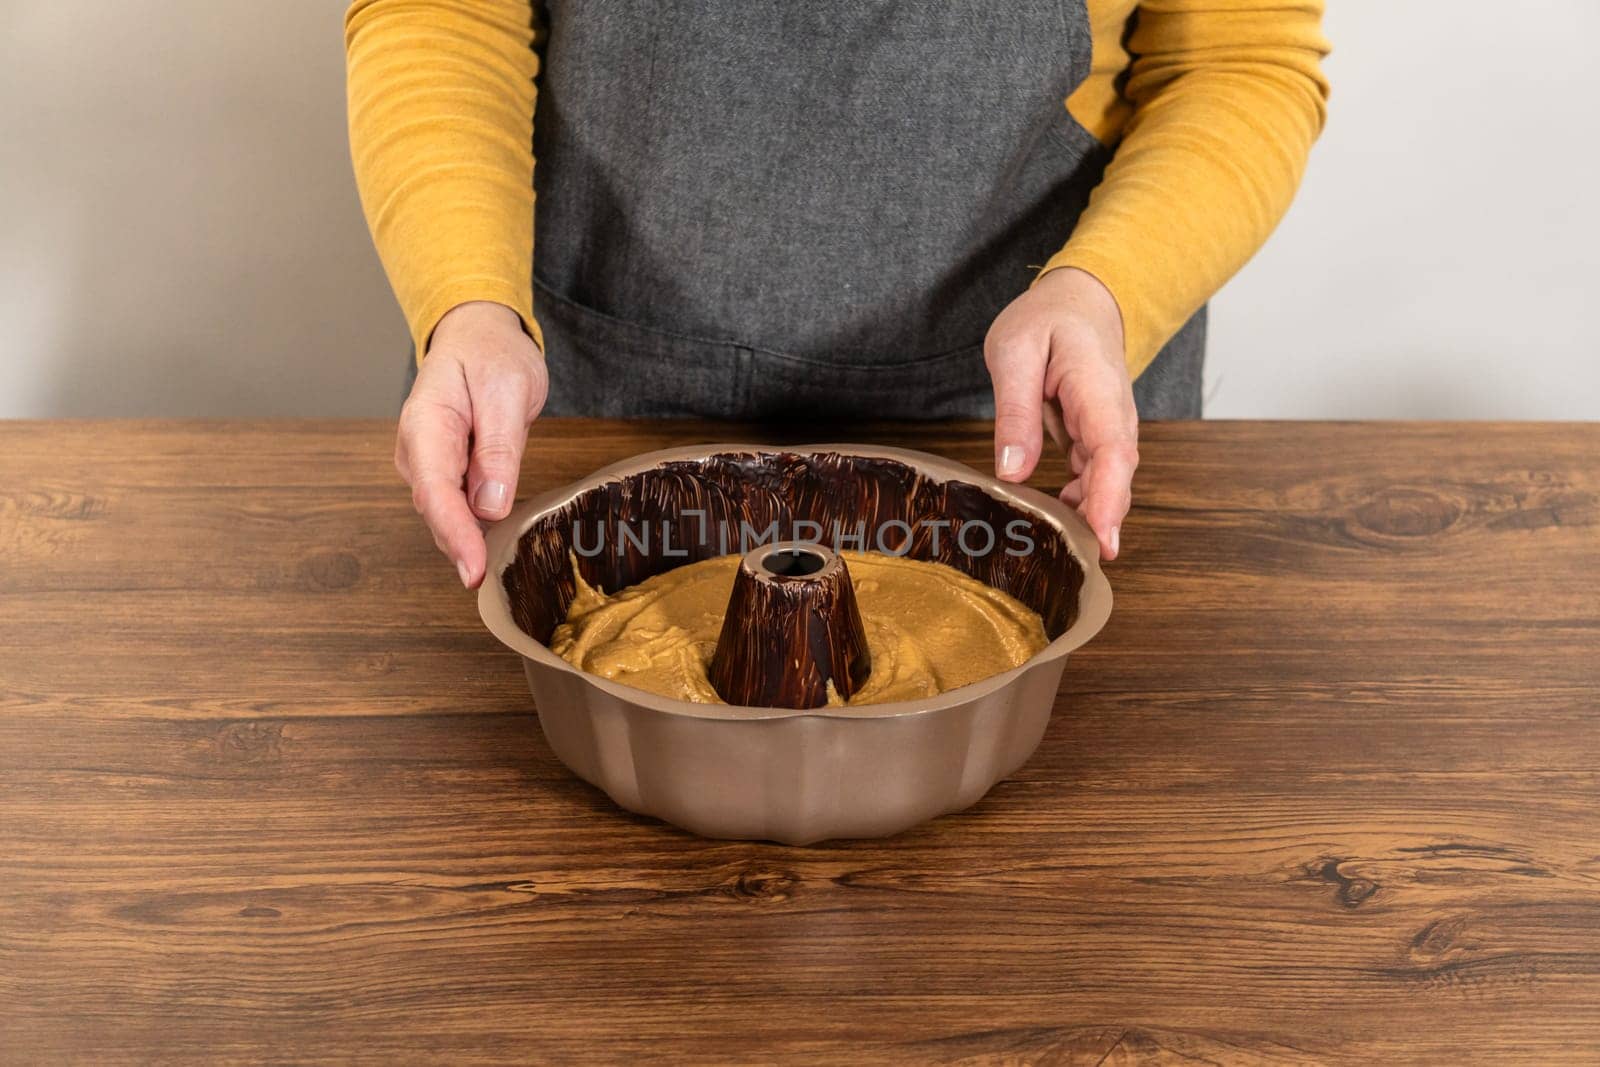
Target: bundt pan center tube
column 786, row 763
column 792, row 630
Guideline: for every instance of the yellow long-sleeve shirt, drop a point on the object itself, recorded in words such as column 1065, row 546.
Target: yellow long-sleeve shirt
column 1212, row 106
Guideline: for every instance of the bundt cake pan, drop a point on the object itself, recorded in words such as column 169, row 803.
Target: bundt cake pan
column 791, row 775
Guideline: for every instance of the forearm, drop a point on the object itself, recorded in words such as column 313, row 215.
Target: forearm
column 1227, row 99
column 441, row 101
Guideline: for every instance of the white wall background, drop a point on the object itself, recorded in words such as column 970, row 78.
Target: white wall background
column 179, row 230
column 1443, row 259
column 179, row 233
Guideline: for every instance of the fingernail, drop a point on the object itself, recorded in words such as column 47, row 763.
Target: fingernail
column 1116, row 540
column 1010, row 461
column 491, row 497
column 466, row 575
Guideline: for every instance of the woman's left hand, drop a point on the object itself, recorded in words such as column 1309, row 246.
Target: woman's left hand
column 1060, row 343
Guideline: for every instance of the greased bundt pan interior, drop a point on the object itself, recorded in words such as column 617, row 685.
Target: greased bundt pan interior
column 790, row 775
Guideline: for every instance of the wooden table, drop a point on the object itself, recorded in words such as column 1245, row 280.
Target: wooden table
column 1327, row 787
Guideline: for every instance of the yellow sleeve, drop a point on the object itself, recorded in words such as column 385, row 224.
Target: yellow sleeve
column 441, row 134
column 1222, row 101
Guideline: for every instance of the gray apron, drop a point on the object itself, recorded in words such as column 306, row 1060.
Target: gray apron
column 771, row 208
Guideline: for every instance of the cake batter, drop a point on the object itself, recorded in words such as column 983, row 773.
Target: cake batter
column 929, row 628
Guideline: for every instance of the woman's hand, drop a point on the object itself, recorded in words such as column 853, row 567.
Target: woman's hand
column 1060, row 343
column 463, row 428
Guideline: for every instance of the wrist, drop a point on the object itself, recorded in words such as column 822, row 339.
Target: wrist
column 1080, row 286
column 1082, row 294
column 477, row 318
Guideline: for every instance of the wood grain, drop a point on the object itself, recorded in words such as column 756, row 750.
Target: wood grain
column 1326, row 789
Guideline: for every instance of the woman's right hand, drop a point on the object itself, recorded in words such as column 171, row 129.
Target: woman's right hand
column 464, row 426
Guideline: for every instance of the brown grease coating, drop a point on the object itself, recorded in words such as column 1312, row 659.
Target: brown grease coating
column 930, row 628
